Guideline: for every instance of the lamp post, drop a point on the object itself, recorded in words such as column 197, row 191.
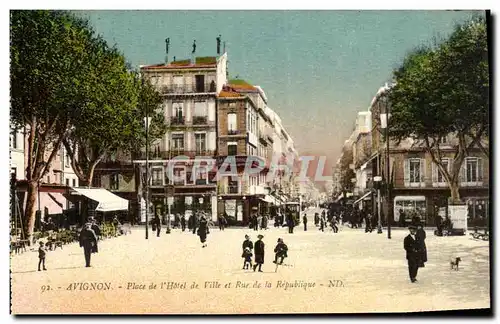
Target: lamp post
column 147, row 120
column 384, row 124
column 378, row 181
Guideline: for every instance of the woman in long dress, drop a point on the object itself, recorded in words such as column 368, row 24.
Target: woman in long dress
column 203, row 230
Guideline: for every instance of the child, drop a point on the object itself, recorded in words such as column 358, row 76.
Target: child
column 247, row 255
column 41, row 256
column 281, row 251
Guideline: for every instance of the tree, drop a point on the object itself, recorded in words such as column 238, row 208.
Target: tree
column 444, row 90
column 346, row 173
column 47, row 50
column 107, row 122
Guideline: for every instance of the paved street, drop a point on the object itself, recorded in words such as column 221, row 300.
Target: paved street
column 368, row 273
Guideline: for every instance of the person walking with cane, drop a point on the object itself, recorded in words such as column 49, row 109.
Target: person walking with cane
column 88, row 240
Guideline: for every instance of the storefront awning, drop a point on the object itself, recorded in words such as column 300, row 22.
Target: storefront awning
column 108, row 201
column 363, row 197
column 269, row 199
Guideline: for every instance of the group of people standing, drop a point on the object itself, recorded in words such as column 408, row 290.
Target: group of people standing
column 258, row 250
column 322, row 220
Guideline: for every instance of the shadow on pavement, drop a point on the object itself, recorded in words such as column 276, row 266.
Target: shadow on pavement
column 64, row 268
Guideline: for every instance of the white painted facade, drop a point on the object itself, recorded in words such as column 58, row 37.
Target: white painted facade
column 16, row 150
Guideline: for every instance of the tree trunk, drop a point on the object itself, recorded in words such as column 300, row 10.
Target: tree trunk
column 455, row 194
column 30, row 212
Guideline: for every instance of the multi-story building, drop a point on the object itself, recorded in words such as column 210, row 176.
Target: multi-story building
column 418, row 186
column 190, row 109
column 244, row 130
column 50, row 200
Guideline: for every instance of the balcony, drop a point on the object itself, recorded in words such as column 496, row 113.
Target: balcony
column 177, row 120
column 200, row 120
column 157, row 182
column 233, row 132
column 190, row 88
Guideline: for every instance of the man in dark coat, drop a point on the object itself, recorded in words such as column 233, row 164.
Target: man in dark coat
column 222, row 222
column 95, row 227
column 183, row 222
column 280, row 251
column 259, row 253
column 439, row 225
column 157, row 225
column 264, row 221
column 194, row 223
column 402, row 218
column 316, row 219
column 88, row 240
column 255, row 222
column 420, row 235
column 203, row 230
column 411, row 247
column 304, row 220
column 290, row 222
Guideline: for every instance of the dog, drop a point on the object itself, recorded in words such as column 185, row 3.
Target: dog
column 454, row 263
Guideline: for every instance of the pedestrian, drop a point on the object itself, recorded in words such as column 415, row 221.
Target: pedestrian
column 157, row 225
column 88, row 240
column 222, row 222
column 304, row 220
column 322, row 222
column 203, row 230
column 195, row 223
column 402, row 218
column 368, row 223
column 183, row 222
column 259, row 253
column 255, row 222
column 411, row 247
column 281, row 251
column 290, row 222
column 42, row 252
column 333, row 223
column 439, row 225
column 316, row 219
column 247, row 257
column 420, row 236
column 264, row 222
column 95, row 227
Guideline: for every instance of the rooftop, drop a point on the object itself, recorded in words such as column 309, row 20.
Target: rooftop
column 241, row 85
column 200, row 62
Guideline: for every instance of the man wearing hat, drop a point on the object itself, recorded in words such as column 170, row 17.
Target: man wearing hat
column 259, row 253
column 281, row 251
column 95, row 227
column 88, row 240
column 411, row 246
column 247, row 243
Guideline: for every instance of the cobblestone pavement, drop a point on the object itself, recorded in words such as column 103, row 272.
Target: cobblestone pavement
column 351, row 271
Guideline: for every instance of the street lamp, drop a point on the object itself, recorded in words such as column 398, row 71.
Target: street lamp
column 384, row 124
column 378, row 182
column 147, row 121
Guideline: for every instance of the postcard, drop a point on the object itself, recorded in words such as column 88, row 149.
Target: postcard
column 249, row 162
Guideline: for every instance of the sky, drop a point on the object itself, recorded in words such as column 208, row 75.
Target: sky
column 317, row 68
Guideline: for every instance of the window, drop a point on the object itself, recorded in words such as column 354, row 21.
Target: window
column 200, row 142
column 232, row 104
column 177, row 113
column 473, row 170
column 74, row 182
column 414, row 170
column 14, row 139
column 440, row 177
column 177, row 142
column 114, row 181
column 200, row 108
column 231, row 123
column 200, row 83
column 232, row 148
column 67, row 182
column 178, row 83
column 179, row 176
column 157, row 177
column 443, row 140
column 67, row 160
column 202, row 176
column 232, row 186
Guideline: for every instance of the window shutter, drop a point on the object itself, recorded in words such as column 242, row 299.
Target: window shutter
column 463, row 171
column 422, row 172
column 479, row 169
column 435, row 172
column 407, row 172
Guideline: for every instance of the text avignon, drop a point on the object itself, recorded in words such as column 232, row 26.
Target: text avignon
column 89, row 286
